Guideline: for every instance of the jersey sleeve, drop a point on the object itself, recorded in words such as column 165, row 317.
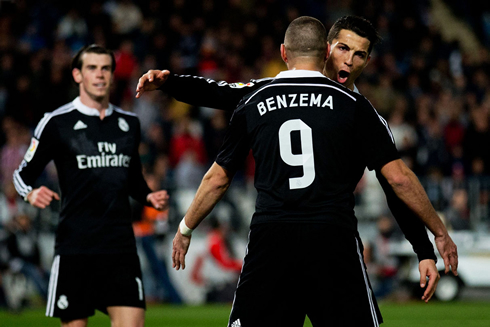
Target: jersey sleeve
column 374, row 136
column 236, row 145
column 412, row 227
column 138, row 188
column 40, row 152
column 200, row 91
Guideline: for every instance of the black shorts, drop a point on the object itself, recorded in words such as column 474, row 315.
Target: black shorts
column 293, row 270
column 80, row 284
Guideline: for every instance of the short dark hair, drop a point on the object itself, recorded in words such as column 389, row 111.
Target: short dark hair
column 92, row 48
column 358, row 25
column 306, row 36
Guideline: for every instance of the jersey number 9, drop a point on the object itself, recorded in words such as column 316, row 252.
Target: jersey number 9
column 304, row 159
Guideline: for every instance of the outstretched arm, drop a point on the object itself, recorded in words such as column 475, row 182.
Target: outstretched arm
column 212, row 188
column 196, row 90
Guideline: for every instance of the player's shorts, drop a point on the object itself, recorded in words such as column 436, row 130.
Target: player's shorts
column 80, row 284
column 294, row 270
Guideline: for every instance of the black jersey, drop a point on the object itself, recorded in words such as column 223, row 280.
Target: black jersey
column 312, row 140
column 226, row 96
column 98, row 169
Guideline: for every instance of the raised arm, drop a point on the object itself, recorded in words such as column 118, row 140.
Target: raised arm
column 198, row 91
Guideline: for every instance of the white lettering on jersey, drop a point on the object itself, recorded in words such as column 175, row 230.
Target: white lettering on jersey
column 103, row 160
column 305, row 100
column 106, row 147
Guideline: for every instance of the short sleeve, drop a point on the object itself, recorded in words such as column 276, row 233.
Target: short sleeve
column 374, row 135
column 236, row 145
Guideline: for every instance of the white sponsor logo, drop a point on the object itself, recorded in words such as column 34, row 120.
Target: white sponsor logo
column 62, row 302
column 123, row 124
column 32, row 150
column 79, row 125
column 107, row 157
column 236, row 323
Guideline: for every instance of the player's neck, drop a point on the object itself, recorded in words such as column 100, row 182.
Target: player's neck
column 101, row 104
column 302, row 63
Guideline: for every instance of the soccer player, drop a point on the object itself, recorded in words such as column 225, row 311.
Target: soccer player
column 351, row 41
column 311, row 140
column 94, row 146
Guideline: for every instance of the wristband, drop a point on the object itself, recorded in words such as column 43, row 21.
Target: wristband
column 184, row 230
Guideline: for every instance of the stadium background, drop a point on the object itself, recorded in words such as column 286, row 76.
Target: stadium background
column 429, row 78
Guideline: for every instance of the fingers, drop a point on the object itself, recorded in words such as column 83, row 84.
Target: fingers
column 179, row 250
column 159, row 200
column 431, row 288
column 42, row 197
column 453, row 259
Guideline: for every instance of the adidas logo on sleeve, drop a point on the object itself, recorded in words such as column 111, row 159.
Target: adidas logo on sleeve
column 236, row 323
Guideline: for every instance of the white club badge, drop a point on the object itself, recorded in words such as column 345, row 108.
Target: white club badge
column 62, row 302
column 123, row 124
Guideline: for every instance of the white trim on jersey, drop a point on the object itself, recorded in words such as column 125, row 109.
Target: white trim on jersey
column 241, row 271
column 368, row 289
column 295, row 73
column 129, row 113
column 44, row 121
column 22, row 188
column 300, row 84
column 384, row 122
column 86, row 110
column 53, row 284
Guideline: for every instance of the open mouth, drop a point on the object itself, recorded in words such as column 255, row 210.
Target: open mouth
column 342, row 76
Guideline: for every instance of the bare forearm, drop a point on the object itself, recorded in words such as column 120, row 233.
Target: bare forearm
column 409, row 190
column 212, row 188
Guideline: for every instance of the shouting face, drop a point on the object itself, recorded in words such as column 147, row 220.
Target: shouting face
column 348, row 57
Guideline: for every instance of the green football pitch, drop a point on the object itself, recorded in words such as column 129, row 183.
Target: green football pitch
column 467, row 314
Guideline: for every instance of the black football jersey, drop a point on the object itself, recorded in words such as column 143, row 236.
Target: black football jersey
column 206, row 92
column 98, row 169
column 311, row 139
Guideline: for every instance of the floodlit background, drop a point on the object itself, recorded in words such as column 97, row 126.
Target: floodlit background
column 430, row 78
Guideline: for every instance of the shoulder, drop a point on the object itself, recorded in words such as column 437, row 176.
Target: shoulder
column 50, row 117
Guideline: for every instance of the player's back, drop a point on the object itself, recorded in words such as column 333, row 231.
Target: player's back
column 306, row 136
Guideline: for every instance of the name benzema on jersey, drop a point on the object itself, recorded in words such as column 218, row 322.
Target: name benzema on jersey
column 294, row 100
column 107, row 157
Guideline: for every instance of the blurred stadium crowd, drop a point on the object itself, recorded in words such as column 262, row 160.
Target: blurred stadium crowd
column 430, row 78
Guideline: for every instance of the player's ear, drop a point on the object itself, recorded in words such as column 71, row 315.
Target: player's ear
column 327, row 54
column 77, row 75
column 283, row 53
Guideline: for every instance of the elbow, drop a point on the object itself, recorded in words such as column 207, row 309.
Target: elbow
column 218, row 181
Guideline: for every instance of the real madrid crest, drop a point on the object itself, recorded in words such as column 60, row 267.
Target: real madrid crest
column 123, row 124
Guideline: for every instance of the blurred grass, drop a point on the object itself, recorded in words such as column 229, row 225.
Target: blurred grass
column 411, row 314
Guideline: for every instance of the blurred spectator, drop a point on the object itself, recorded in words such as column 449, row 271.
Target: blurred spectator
column 187, row 154
column 457, row 215
column 24, row 254
column 126, row 16
column 126, row 66
column 216, row 268
column 382, row 265
column 73, row 29
column 12, row 152
column 153, row 224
